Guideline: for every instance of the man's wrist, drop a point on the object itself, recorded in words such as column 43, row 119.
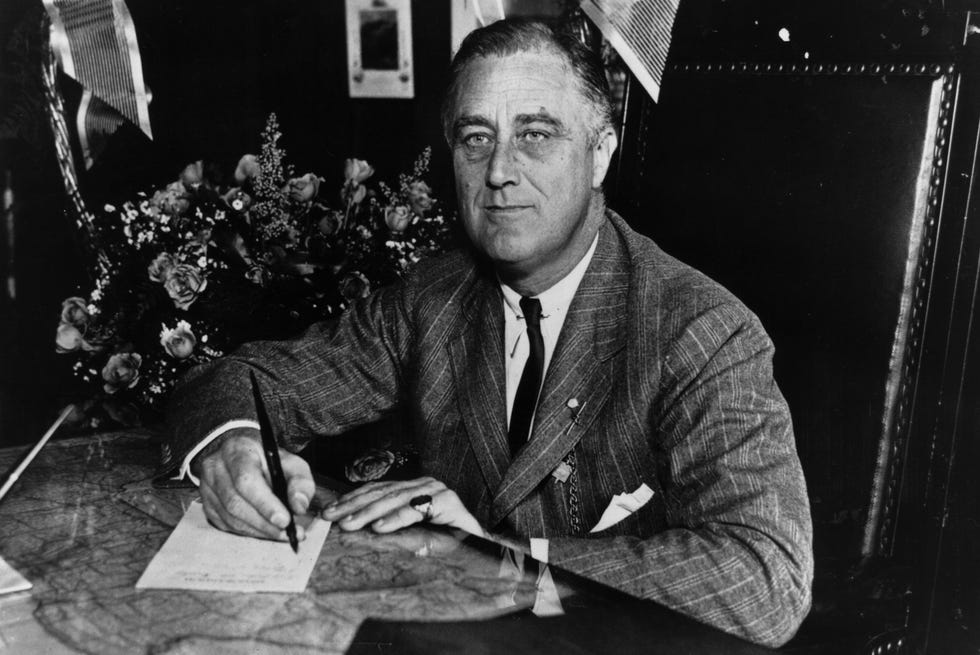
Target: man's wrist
column 217, row 442
column 192, row 458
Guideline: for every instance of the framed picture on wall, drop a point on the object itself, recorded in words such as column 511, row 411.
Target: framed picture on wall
column 379, row 49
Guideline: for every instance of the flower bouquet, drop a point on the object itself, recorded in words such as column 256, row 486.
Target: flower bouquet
column 190, row 271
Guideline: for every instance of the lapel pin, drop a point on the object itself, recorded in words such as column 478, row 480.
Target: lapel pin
column 576, row 407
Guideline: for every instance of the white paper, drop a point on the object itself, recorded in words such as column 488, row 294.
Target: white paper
column 622, row 505
column 199, row 556
column 11, row 580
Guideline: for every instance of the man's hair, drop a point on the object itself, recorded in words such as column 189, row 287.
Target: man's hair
column 514, row 35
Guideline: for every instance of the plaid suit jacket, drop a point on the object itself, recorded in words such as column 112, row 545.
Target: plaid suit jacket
column 673, row 379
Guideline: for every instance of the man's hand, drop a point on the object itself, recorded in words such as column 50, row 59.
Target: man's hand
column 385, row 507
column 236, row 491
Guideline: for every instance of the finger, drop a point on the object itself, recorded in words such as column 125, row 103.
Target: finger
column 211, row 509
column 388, row 503
column 401, row 517
column 219, row 518
column 300, row 484
column 373, row 490
column 253, row 500
column 371, row 493
column 237, row 512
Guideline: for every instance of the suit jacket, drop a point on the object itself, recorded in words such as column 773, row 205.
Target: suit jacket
column 674, row 386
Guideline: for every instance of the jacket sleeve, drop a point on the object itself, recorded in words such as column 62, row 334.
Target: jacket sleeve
column 336, row 375
column 737, row 553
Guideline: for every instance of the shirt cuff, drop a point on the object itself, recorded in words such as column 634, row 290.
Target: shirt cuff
column 539, row 549
column 185, row 468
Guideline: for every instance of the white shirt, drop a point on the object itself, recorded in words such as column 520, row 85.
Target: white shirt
column 554, row 308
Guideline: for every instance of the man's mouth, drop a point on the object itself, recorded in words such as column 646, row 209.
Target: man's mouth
column 505, row 209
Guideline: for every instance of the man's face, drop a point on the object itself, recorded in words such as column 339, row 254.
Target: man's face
column 527, row 165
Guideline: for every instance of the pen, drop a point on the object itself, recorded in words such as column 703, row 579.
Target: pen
column 271, row 448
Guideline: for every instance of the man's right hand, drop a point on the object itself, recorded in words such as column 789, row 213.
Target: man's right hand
column 236, row 490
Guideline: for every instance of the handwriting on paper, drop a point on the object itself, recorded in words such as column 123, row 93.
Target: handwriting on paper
column 199, row 556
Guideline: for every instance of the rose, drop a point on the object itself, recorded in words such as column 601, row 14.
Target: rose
column 372, row 465
column 303, row 189
column 179, row 342
column 69, row 338
column 237, row 200
column 184, row 284
column 330, row 223
column 419, row 195
column 397, row 218
column 359, row 194
column 193, row 174
column 172, row 200
column 160, row 267
column 354, row 285
column 357, row 170
column 248, row 169
column 74, row 312
column 122, row 370
column 256, row 274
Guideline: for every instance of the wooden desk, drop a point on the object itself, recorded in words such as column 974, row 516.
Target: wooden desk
column 83, row 522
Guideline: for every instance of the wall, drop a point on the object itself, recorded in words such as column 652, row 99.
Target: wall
column 216, row 70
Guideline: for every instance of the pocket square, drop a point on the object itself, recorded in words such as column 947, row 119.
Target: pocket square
column 621, row 506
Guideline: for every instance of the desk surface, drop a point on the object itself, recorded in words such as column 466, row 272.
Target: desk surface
column 83, row 522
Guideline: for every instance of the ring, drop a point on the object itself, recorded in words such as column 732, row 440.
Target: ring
column 423, row 505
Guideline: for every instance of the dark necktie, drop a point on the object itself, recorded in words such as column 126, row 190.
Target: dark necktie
column 527, row 391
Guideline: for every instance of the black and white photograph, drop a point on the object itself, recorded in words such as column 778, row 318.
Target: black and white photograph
column 489, row 326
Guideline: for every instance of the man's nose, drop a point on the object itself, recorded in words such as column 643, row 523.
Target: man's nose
column 502, row 169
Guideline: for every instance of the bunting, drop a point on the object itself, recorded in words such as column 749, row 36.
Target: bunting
column 640, row 31
column 95, row 42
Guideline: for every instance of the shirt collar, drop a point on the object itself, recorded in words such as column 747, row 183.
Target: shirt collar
column 558, row 297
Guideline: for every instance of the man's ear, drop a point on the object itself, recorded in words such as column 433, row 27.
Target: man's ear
column 602, row 153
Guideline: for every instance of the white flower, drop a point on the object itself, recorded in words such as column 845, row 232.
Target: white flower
column 572, row 403
column 178, row 342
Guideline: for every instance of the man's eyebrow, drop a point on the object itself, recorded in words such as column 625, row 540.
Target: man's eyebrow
column 471, row 120
column 540, row 117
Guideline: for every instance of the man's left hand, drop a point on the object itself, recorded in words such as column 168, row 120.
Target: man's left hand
column 386, row 507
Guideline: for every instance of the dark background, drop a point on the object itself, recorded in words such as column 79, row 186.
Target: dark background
column 216, row 71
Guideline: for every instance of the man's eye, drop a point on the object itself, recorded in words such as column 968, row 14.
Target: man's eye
column 534, row 136
column 476, row 140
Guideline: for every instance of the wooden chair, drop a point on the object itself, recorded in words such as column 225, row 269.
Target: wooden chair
column 831, row 193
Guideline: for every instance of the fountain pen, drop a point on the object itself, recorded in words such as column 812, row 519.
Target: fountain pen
column 271, row 448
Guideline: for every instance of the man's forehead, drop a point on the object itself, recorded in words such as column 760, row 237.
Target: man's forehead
column 518, row 86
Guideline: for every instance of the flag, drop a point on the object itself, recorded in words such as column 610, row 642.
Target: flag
column 640, row 32
column 95, row 42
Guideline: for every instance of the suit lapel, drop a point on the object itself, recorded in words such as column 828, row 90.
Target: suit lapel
column 477, row 356
column 592, row 333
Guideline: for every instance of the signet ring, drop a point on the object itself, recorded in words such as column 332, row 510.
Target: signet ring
column 423, row 505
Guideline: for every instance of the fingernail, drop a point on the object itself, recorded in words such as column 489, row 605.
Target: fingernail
column 279, row 520
column 301, row 500
column 379, row 523
column 332, row 505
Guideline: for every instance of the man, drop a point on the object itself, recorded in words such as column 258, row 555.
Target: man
column 614, row 365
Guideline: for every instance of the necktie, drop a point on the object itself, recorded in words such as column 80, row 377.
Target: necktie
column 527, row 390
